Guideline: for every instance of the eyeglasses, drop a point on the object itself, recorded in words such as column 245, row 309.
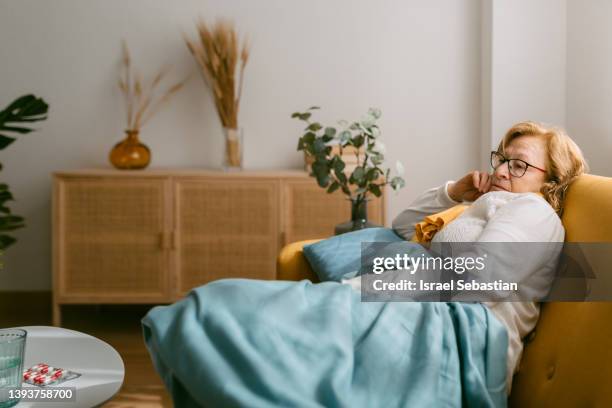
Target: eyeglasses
column 516, row 167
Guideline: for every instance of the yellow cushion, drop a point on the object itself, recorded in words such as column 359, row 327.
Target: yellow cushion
column 291, row 263
column 426, row 229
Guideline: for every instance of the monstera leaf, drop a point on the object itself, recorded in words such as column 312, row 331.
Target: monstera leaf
column 27, row 108
column 13, row 118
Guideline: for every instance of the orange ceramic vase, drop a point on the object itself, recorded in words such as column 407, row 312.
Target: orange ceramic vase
column 130, row 154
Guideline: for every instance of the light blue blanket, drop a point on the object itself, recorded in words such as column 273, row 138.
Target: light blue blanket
column 239, row 342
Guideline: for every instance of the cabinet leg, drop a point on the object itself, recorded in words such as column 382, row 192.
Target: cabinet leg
column 57, row 315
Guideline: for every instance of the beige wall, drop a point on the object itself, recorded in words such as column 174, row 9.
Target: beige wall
column 444, row 73
column 589, row 80
column 524, row 59
column 416, row 60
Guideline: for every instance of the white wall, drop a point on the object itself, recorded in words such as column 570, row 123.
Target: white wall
column 524, row 61
column 419, row 61
column 589, row 81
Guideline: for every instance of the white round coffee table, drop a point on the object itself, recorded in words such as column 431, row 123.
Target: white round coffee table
column 99, row 364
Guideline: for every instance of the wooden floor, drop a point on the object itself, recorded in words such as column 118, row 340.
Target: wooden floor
column 119, row 326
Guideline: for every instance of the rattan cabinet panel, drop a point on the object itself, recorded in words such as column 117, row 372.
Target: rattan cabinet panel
column 225, row 228
column 309, row 212
column 108, row 239
column 106, row 268
column 132, row 207
column 151, row 236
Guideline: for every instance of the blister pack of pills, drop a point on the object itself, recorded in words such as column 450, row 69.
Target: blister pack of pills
column 43, row 374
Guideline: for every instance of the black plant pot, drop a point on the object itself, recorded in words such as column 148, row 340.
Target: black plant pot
column 359, row 218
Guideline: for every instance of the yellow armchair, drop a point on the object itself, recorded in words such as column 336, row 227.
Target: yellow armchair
column 567, row 360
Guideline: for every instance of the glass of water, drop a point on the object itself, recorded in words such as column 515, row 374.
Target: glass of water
column 12, row 350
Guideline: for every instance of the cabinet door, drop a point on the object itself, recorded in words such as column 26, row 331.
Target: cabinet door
column 226, row 227
column 310, row 212
column 109, row 240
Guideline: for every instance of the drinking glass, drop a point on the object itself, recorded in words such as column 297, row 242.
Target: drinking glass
column 12, row 349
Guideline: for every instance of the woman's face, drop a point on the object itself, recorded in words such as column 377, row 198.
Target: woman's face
column 531, row 149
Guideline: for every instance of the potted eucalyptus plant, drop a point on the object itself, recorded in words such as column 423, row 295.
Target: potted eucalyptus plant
column 367, row 178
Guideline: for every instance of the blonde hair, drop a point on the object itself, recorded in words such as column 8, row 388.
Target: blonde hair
column 565, row 159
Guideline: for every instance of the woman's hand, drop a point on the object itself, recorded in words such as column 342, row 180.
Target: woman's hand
column 470, row 187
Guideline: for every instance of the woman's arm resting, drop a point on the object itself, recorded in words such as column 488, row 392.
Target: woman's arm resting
column 521, row 243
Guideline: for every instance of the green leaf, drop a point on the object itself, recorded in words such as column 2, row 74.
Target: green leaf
column 321, row 172
column 333, row 187
column 305, row 116
column 17, row 129
column 323, row 181
column 375, row 131
column 358, row 141
column 10, row 219
column 330, row 131
column 6, row 241
column 340, row 176
column 346, row 190
column 365, row 127
column 27, row 108
column 372, row 174
column 314, row 126
column 306, row 142
column 375, row 112
column 338, row 164
column 5, row 141
column 377, row 159
column 5, row 195
column 397, row 183
column 313, row 107
column 345, row 136
column 358, row 175
column 11, row 222
column 320, row 168
column 375, row 189
column 309, row 137
column 319, row 146
column 295, row 115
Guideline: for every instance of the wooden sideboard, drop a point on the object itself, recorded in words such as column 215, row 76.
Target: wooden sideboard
column 151, row 236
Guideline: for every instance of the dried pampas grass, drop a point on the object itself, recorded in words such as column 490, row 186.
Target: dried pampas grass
column 218, row 53
column 142, row 98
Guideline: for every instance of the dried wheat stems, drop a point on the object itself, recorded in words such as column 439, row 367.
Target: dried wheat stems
column 218, row 53
column 143, row 99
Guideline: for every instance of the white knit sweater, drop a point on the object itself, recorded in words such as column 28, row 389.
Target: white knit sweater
column 497, row 216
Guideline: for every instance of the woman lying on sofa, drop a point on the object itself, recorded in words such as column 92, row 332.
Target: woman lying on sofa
column 530, row 159
column 241, row 342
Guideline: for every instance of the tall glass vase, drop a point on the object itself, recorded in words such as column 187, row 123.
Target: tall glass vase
column 232, row 159
column 359, row 218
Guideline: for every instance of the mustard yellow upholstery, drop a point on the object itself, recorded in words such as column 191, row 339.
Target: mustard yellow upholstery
column 567, row 360
column 292, row 265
